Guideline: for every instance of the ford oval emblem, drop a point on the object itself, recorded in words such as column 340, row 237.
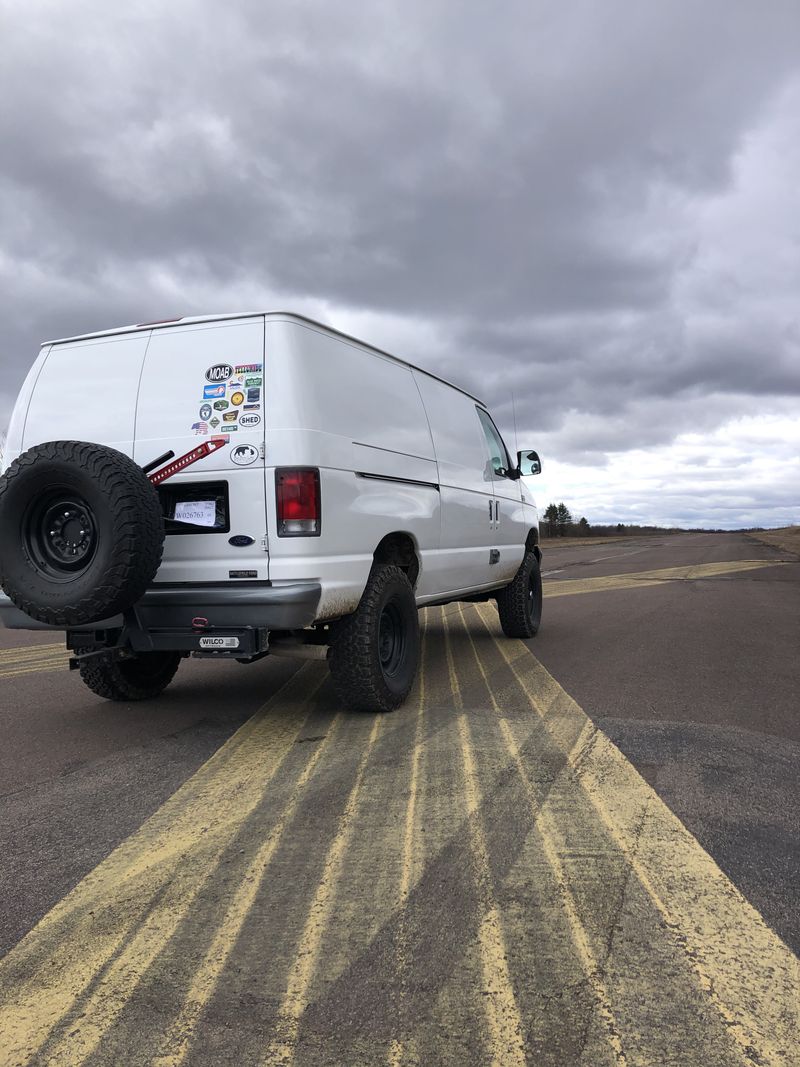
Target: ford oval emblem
column 241, row 540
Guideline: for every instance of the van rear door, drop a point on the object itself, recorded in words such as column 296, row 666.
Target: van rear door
column 204, row 382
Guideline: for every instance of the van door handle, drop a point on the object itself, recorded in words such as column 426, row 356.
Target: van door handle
column 497, row 512
column 490, row 514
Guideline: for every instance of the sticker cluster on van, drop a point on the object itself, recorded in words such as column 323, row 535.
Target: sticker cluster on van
column 336, row 491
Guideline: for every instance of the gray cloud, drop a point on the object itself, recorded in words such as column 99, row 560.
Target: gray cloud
column 592, row 202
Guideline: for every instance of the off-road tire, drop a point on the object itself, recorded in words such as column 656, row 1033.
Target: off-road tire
column 519, row 604
column 138, row 678
column 368, row 675
column 119, row 551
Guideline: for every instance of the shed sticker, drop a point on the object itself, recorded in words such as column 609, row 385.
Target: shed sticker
column 250, row 419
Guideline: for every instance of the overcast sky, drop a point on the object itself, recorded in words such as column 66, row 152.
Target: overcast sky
column 593, row 204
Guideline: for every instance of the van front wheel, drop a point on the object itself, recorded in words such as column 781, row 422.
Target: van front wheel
column 520, row 603
column 373, row 657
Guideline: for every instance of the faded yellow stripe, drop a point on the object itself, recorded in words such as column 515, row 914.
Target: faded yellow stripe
column 282, row 1047
column 44, row 667
column 408, row 871
column 571, row 587
column 544, row 822
column 179, row 1039
column 43, row 978
column 750, row 977
column 502, row 1013
column 25, row 650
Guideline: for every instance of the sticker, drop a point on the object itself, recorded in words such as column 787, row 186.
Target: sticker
column 251, row 407
column 241, row 540
column 243, row 456
column 253, row 395
column 253, row 381
column 249, row 420
column 220, row 405
column 211, row 391
column 248, row 368
column 235, row 385
column 242, row 574
column 220, row 372
column 219, row 642
column 230, row 416
column 214, row 422
column 237, row 399
column 229, row 427
column 200, row 427
column 205, row 412
column 197, row 512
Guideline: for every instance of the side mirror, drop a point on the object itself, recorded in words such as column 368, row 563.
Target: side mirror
column 528, row 463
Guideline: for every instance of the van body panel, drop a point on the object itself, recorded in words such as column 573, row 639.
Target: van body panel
column 86, row 391
column 465, row 484
column 185, row 395
column 19, row 414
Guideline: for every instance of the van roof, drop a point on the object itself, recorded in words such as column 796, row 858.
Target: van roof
column 303, row 319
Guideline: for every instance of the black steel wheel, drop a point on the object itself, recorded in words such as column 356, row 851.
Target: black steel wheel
column 81, row 532
column 373, row 657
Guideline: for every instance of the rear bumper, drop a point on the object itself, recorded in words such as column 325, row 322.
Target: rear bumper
column 272, row 607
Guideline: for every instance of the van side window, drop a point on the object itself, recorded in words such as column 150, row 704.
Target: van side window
column 497, row 450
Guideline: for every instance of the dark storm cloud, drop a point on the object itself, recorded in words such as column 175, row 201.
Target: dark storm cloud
column 543, row 193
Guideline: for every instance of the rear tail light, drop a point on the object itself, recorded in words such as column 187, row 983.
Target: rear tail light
column 298, row 501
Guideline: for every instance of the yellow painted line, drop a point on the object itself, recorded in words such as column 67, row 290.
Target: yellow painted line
column 543, row 821
column 40, row 668
column 410, row 863
column 502, row 1013
column 748, row 974
column 178, row 1041
column 573, row 586
column 281, row 1048
column 102, row 935
column 23, row 650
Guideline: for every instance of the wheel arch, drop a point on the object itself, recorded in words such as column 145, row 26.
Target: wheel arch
column 401, row 549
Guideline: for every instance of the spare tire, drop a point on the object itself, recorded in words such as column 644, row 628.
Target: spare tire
column 81, row 532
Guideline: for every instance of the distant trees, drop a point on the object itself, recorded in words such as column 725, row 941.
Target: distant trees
column 557, row 521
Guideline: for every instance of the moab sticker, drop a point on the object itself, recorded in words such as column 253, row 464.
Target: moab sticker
column 220, row 372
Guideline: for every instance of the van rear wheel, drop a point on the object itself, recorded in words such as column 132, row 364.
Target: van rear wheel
column 373, row 657
column 138, row 677
column 520, row 603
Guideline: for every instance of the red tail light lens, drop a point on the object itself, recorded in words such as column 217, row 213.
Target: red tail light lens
column 298, row 501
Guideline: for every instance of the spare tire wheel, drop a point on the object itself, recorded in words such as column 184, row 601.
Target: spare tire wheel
column 81, row 532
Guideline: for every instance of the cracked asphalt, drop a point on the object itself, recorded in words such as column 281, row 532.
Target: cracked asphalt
column 576, row 850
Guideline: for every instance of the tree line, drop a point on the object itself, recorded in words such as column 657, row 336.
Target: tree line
column 557, row 521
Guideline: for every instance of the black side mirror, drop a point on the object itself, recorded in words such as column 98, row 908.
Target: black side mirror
column 528, row 463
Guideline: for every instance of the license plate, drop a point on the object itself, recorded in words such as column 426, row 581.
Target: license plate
column 219, row 642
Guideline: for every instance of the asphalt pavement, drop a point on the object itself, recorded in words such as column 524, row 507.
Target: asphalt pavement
column 240, row 872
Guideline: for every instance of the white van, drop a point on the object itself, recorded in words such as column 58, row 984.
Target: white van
column 243, row 484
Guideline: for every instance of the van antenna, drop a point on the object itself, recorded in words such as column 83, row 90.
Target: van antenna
column 514, row 412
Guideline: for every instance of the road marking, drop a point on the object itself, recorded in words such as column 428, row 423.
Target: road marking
column 31, row 659
column 410, row 863
column 545, row 823
column 71, row 953
column 502, row 1013
column 750, row 977
column 573, row 586
column 178, row 1041
column 282, row 1046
